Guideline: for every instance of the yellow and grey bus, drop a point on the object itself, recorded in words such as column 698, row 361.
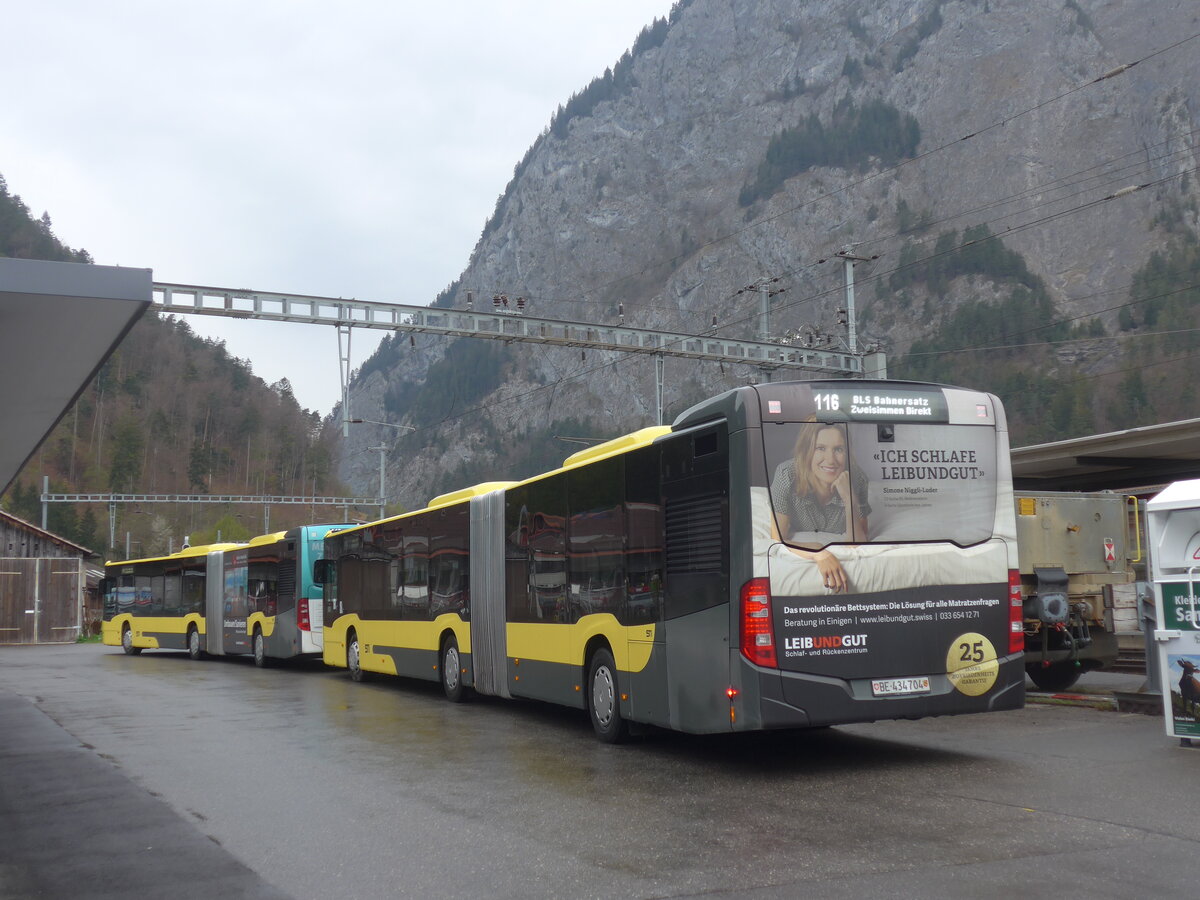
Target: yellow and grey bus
column 220, row 599
column 783, row 556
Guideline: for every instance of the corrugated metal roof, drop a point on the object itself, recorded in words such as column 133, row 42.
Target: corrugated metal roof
column 42, row 533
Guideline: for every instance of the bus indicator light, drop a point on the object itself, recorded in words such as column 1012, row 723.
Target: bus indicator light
column 731, row 692
column 302, row 620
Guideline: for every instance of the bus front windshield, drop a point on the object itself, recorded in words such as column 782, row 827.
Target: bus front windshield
column 861, row 482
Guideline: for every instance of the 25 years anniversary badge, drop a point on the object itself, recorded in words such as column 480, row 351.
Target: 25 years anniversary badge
column 971, row 664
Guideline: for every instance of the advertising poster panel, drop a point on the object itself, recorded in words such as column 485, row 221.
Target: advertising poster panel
column 236, row 589
column 882, row 559
column 1181, row 668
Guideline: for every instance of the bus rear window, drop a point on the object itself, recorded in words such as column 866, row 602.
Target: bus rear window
column 875, row 482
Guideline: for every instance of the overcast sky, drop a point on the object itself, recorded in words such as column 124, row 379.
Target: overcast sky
column 349, row 150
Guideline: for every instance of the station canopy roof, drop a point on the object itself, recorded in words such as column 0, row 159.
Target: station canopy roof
column 59, row 322
column 1136, row 461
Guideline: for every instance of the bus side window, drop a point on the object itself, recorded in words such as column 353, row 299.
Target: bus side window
column 596, row 580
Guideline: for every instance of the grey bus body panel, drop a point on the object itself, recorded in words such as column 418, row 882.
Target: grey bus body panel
column 410, row 663
column 552, row 682
column 168, row 640
column 798, row 700
column 698, row 504
column 284, row 639
column 698, row 677
column 489, row 645
column 649, row 699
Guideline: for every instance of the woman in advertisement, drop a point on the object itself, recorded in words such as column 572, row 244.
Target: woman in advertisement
column 814, row 494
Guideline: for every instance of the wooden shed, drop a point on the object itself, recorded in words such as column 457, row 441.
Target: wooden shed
column 43, row 584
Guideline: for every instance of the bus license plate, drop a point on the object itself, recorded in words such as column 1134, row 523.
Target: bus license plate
column 888, row 687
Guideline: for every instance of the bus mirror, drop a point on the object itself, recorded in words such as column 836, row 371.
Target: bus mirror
column 321, row 571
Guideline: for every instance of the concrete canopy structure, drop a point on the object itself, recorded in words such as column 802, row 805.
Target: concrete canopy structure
column 59, row 322
column 1138, row 460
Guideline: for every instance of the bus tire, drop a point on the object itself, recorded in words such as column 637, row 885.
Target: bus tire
column 604, row 698
column 194, row 648
column 452, row 675
column 1054, row 677
column 260, row 650
column 127, row 642
column 353, row 660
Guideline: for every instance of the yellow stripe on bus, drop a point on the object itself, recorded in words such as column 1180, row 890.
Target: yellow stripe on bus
column 110, row 631
column 557, row 643
column 392, row 634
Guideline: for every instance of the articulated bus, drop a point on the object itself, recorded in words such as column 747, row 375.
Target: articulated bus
column 783, row 556
column 221, row 599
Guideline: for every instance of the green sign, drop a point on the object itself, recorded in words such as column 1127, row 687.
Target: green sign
column 1180, row 611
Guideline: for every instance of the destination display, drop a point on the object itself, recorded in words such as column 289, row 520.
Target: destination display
column 893, row 405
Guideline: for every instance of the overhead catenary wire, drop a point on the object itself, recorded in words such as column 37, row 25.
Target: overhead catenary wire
column 998, row 123
column 1073, row 179
column 585, row 371
column 878, row 275
column 1059, row 322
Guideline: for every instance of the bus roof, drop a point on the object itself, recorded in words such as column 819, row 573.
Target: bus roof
column 273, row 538
column 622, row 444
column 185, row 553
column 634, row 440
column 476, row 490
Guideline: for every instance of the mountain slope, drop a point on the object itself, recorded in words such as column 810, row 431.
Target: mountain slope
column 1020, row 207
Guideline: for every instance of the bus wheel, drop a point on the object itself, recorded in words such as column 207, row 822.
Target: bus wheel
column 127, row 642
column 452, row 680
column 1054, row 677
column 260, row 650
column 193, row 643
column 604, row 701
column 353, row 663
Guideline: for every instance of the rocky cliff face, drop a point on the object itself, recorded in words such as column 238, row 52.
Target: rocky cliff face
column 648, row 199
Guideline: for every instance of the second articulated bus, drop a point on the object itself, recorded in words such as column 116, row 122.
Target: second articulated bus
column 221, row 599
column 785, row 555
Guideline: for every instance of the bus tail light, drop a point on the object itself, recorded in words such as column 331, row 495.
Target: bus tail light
column 302, row 621
column 758, row 637
column 1016, row 617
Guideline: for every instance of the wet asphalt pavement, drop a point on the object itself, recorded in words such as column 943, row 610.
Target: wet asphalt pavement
column 158, row 776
